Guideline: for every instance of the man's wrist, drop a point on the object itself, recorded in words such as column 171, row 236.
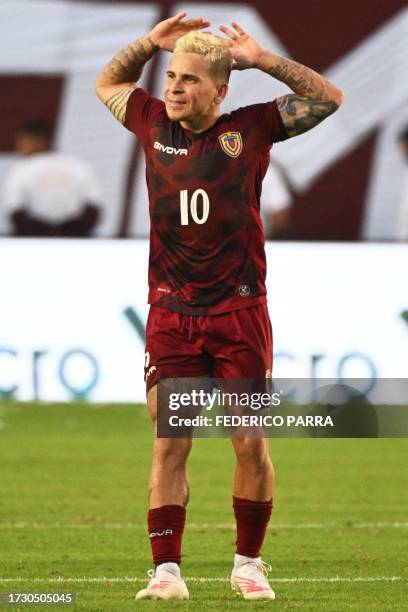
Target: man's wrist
column 267, row 62
column 152, row 41
column 147, row 45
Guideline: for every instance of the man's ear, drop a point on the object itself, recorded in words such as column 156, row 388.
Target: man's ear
column 222, row 91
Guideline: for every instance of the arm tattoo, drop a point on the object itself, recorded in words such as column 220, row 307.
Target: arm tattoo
column 118, row 102
column 302, row 114
column 127, row 66
column 302, row 80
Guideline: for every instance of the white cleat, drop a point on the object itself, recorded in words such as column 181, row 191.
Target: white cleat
column 249, row 580
column 163, row 585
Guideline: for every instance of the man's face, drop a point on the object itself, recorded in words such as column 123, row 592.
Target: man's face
column 28, row 144
column 190, row 93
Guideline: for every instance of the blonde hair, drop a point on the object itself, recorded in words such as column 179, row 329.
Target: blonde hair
column 211, row 47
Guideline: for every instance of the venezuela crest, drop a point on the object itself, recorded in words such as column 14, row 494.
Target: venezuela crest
column 231, row 143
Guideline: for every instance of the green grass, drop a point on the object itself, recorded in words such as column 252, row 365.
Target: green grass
column 73, row 505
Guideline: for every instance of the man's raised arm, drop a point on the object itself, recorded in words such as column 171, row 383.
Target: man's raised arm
column 314, row 97
column 119, row 78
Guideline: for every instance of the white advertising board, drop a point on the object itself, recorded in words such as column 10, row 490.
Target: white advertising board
column 72, row 315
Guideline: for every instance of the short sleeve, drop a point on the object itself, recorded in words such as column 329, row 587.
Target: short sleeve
column 141, row 110
column 267, row 119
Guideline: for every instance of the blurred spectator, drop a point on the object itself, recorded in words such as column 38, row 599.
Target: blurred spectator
column 276, row 203
column 403, row 216
column 47, row 193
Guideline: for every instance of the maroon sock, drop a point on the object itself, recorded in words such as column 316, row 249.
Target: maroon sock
column 166, row 526
column 252, row 519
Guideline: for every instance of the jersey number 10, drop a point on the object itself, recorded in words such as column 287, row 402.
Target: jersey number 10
column 184, row 216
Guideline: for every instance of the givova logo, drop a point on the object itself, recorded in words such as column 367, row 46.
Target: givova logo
column 164, row 532
column 170, row 150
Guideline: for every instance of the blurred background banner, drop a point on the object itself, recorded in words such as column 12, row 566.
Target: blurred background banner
column 345, row 179
column 73, row 313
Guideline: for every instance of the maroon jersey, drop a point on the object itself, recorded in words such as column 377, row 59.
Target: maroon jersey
column 206, row 240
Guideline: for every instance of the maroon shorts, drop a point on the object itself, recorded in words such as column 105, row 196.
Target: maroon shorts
column 235, row 344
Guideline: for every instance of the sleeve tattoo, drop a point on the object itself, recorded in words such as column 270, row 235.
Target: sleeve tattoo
column 302, row 114
column 302, row 80
column 313, row 100
column 118, row 102
column 126, row 68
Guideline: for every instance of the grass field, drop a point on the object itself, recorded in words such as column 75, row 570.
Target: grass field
column 72, row 515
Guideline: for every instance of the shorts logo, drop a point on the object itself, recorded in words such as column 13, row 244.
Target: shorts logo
column 244, row 290
column 155, row 534
column 148, row 370
column 231, row 143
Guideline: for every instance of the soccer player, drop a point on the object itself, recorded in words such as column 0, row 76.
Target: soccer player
column 208, row 314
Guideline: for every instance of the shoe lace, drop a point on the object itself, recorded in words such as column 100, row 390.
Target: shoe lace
column 258, row 567
column 151, row 574
column 264, row 567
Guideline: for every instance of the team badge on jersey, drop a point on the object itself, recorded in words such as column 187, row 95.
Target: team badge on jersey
column 231, row 143
column 244, row 290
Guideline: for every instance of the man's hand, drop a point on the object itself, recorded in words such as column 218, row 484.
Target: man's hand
column 314, row 97
column 115, row 84
column 166, row 33
column 246, row 51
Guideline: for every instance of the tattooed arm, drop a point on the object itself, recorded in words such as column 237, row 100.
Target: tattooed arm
column 119, row 78
column 314, row 97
